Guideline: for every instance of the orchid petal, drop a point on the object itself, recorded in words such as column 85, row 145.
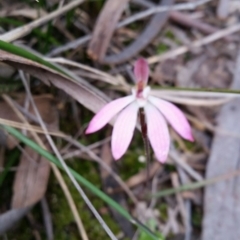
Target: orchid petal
column 107, row 113
column 141, row 70
column 157, row 132
column 123, row 130
column 174, row 116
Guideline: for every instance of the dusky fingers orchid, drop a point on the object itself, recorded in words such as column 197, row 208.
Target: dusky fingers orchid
column 157, row 111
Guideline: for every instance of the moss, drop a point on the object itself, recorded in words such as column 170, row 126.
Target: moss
column 162, row 48
column 129, row 164
column 169, row 34
column 190, row 145
column 22, row 230
column 163, row 211
column 64, row 226
column 197, row 217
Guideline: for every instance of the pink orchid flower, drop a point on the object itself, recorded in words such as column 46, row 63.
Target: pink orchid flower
column 156, row 110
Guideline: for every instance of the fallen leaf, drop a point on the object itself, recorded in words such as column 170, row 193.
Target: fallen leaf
column 104, row 28
column 83, row 92
column 31, row 178
column 10, row 218
column 43, row 104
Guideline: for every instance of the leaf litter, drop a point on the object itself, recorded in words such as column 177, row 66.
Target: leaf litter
column 199, row 50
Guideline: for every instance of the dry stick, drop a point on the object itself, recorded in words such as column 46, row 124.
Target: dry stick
column 103, row 76
column 184, row 19
column 47, row 218
column 198, row 43
column 24, row 30
column 211, row 127
column 75, row 183
column 70, row 45
column 151, row 11
column 188, row 226
column 180, row 202
column 90, row 147
column 57, row 173
column 196, row 185
column 28, row 127
column 184, row 165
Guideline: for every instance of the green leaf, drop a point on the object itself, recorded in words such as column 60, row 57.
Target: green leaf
column 8, row 47
column 152, row 224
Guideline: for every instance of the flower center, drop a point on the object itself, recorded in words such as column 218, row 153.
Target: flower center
column 140, row 93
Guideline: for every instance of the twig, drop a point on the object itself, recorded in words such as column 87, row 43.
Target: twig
column 24, row 30
column 188, row 223
column 175, row 182
column 172, row 218
column 47, row 219
column 184, row 165
column 90, row 147
column 151, row 11
column 154, row 190
column 29, row 127
column 196, row 44
column 70, row 45
column 197, row 185
column 188, row 231
column 102, row 75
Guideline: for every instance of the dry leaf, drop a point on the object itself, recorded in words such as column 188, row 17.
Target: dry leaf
column 43, row 104
column 10, row 218
column 104, row 28
column 31, row 179
column 33, row 172
column 83, row 92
